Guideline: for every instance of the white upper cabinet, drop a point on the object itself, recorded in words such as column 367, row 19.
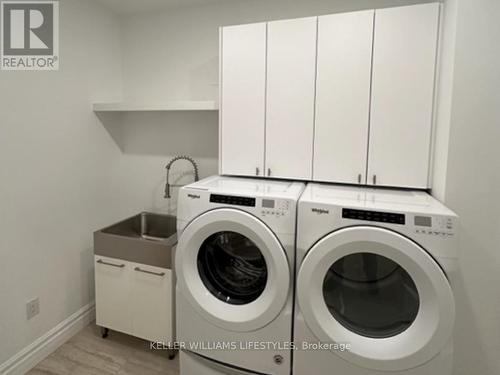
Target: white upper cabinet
column 243, row 87
column 343, row 97
column 291, row 70
column 404, row 58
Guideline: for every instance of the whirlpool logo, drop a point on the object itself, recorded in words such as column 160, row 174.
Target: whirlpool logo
column 320, row 211
column 194, row 196
column 29, row 35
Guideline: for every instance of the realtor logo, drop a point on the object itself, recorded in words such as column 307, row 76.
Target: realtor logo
column 29, row 35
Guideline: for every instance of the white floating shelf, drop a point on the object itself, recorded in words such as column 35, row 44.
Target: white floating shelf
column 166, row 106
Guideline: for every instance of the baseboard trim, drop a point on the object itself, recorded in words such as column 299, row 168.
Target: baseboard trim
column 34, row 353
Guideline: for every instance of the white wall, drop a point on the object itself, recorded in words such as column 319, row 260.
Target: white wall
column 444, row 97
column 147, row 142
column 473, row 184
column 56, row 163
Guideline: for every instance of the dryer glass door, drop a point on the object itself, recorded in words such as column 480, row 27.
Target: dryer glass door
column 232, row 269
column 378, row 292
column 371, row 295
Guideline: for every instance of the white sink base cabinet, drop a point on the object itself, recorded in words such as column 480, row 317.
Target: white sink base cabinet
column 135, row 299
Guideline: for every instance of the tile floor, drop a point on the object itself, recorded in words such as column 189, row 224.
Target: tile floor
column 88, row 354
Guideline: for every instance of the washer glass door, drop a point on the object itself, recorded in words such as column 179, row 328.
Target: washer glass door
column 232, row 269
column 378, row 292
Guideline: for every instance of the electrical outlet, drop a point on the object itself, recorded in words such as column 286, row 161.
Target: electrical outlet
column 32, row 308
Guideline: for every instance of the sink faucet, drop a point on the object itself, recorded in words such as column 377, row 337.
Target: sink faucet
column 169, row 165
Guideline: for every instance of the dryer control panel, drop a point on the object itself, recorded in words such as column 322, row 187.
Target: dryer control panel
column 381, row 217
column 434, row 225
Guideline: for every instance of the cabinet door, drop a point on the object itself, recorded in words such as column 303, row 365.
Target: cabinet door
column 151, row 303
column 343, row 97
column 291, row 69
column 243, row 76
column 404, row 60
column 112, row 294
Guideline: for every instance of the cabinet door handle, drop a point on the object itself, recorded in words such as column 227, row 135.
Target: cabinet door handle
column 149, row 272
column 359, row 178
column 269, row 171
column 257, row 171
column 374, row 179
column 100, row 261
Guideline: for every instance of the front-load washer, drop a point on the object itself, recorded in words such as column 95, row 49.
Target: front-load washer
column 235, row 269
column 375, row 272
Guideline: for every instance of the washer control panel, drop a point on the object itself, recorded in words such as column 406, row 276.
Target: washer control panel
column 232, row 200
column 274, row 207
column 442, row 226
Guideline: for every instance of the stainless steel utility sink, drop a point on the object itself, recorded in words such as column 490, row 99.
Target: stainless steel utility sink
column 148, row 226
column 146, row 238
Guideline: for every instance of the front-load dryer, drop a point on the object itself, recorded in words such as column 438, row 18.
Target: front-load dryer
column 235, row 268
column 375, row 271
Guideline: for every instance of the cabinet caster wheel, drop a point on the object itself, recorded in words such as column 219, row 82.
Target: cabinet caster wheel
column 104, row 332
column 171, row 354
